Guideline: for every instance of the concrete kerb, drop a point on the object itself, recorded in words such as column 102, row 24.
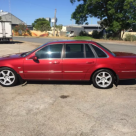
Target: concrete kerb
column 31, row 43
column 67, row 38
column 116, row 42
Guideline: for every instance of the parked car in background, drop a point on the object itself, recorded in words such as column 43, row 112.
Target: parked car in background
column 72, row 34
column 69, row 60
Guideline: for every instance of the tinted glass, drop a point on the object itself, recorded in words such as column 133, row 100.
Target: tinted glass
column 50, row 51
column 89, row 53
column 99, row 52
column 74, row 51
column 106, row 49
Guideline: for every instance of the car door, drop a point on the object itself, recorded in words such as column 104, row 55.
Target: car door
column 48, row 66
column 77, row 61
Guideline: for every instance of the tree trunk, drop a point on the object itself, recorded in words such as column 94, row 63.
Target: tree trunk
column 120, row 35
column 117, row 34
column 123, row 33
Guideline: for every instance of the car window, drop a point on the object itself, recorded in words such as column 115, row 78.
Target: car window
column 106, row 49
column 50, row 51
column 99, row 52
column 89, row 53
column 74, row 51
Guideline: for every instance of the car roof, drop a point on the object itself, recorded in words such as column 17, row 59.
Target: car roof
column 71, row 41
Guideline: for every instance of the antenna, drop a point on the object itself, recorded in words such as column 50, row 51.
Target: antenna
column 10, row 17
column 10, row 10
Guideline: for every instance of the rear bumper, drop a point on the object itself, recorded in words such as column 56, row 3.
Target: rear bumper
column 6, row 39
column 127, row 74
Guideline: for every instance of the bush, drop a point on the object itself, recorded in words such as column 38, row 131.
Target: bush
column 113, row 38
column 23, row 29
column 130, row 37
column 28, row 31
column 100, row 34
column 105, row 36
column 95, row 34
column 109, row 34
column 83, row 33
column 16, row 29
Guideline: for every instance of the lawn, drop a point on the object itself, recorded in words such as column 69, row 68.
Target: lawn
column 83, row 38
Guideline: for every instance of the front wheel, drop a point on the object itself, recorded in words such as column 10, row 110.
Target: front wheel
column 8, row 77
column 103, row 79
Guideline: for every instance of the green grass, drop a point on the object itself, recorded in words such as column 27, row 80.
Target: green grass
column 83, row 38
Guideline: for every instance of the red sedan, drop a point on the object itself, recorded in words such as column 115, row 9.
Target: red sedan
column 69, row 60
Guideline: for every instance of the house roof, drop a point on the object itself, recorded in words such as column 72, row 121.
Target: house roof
column 3, row 13
column 6, row 16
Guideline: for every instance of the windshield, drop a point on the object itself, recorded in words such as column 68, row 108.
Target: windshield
column 28, row 53
column 106, row 49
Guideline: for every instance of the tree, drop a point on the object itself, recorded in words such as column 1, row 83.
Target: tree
column 0, row 18
column 41, row 24
column 116, row 15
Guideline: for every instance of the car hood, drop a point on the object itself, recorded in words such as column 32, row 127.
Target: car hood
column 125, row 54
column 10, row 56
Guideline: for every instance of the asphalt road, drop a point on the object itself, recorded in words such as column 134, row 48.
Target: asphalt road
column 112, row 47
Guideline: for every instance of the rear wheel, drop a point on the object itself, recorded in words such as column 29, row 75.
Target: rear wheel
column 8, row 77
column 103, row 79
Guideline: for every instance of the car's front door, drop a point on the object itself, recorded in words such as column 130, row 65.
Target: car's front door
column 48, row 66
column 78, row 60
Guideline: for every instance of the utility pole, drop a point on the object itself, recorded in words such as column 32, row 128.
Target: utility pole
column 55, row 21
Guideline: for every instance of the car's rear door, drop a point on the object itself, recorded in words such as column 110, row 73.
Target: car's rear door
column 77, row 61
column 48, row 66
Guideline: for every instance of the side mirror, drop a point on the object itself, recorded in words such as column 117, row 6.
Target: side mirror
column 35, row 58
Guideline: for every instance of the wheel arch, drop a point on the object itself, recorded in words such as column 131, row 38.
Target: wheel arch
column 8, row 67
column 114, row 73
column 18, row 75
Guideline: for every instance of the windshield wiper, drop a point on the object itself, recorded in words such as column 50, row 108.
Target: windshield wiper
column 24, row 54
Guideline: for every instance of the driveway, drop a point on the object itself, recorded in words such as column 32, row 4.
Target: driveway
column 42, row 108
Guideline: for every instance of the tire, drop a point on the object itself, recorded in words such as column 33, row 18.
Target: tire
column 8, row 77
column 103, row 79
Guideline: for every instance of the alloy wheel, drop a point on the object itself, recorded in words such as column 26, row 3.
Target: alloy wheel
column 103, row 79
column 7, row 77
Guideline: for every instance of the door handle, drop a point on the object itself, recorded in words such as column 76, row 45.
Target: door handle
column 56, row 62
column 90, row 62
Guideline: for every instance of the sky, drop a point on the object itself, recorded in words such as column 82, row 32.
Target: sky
column 29, row 10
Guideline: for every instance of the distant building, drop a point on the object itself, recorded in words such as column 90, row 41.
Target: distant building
column 30, row 27
column 78, row 28
column 49, row 19
column 53, row 21
column 87, row 28
column 6, row 16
